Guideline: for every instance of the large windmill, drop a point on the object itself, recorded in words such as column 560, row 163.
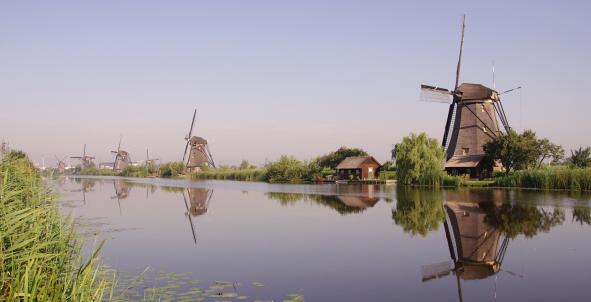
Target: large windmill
column 61, row 164
column 471, row 121
column 122, row 159
column 199, row 154
column 85, row 160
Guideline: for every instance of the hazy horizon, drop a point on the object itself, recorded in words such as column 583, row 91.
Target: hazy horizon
column 271, row 78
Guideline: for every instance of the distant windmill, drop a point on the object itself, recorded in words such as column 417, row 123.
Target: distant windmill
column 151, row 162
column 471, row 121
column 61, row 164
column 85, row 160
column 122, row 159
column 199, row 154
column 4, row 148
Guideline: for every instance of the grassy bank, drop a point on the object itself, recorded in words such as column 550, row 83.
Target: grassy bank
column 40, row 254
column 256, row 174
column 554, row 178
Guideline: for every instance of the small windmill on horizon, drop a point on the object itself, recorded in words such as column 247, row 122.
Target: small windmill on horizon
column 199, row 153
column 86, row 161
column 122, row 158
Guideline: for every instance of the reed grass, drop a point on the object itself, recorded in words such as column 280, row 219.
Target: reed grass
column 551, row 178
column 256, row 174
column 40, row 252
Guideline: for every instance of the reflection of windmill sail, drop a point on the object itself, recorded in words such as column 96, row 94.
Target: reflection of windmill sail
column 476, row 243
column 473, row 245
column 122, row 190
column 199, row 202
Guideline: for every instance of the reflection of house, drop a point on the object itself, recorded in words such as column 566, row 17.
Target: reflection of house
column 199, row 199
column 358, row 201
column 358, row 167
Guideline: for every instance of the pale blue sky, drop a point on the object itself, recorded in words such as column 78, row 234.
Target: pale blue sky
column 278, row 77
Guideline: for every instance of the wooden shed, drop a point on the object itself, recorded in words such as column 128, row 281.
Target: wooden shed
column 358, row 168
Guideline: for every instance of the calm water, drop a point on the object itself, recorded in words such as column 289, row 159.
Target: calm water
column 339, row 243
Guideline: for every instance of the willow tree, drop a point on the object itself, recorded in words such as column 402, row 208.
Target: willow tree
column 419, row 160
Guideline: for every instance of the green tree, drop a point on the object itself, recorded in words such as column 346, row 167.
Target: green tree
column 332, row 159
column 418, row 211
column 580, row 158
column 287, row 170
column 244, row 165
column 419, row 160
column 514, row 150
column 549, row 150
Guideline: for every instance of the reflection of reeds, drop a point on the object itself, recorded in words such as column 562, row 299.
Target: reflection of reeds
column 556, row 178
column 40, row 254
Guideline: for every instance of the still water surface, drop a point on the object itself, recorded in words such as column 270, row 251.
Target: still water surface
column 257, row 241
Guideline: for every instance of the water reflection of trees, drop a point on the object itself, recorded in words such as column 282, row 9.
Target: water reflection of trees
column 582, row 215
column 343, row 204
column 513, row 219
column 418, row 211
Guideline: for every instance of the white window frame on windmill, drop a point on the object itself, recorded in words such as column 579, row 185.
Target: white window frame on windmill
column 465, row 151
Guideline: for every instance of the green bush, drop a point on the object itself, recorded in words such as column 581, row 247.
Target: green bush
column 288, row 170
column 171, row 169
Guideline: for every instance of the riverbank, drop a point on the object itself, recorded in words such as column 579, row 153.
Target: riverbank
column 40, row 252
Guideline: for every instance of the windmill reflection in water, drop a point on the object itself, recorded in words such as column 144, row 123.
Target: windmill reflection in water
column 475, row 247
column 122, row 191
column 197, row 205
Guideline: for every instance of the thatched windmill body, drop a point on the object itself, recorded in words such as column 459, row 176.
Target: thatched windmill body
column 122, row 158
column 471, row 122
column 85, row 160
column 199, row 153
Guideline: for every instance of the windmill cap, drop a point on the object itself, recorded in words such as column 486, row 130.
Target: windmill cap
column 476, row 92
column 198, row 140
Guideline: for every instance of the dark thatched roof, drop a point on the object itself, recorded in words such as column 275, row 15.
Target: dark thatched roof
column 476, row 92
column 355, row 162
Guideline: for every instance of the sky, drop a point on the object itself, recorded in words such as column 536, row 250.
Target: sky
column 278, row 77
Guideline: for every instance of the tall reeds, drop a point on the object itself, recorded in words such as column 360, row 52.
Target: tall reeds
column 554, row 178
column 40, row 252
column 231, row 174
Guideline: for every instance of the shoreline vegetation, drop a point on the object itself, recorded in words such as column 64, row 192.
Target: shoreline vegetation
column 40, row 252
column 419, row 162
